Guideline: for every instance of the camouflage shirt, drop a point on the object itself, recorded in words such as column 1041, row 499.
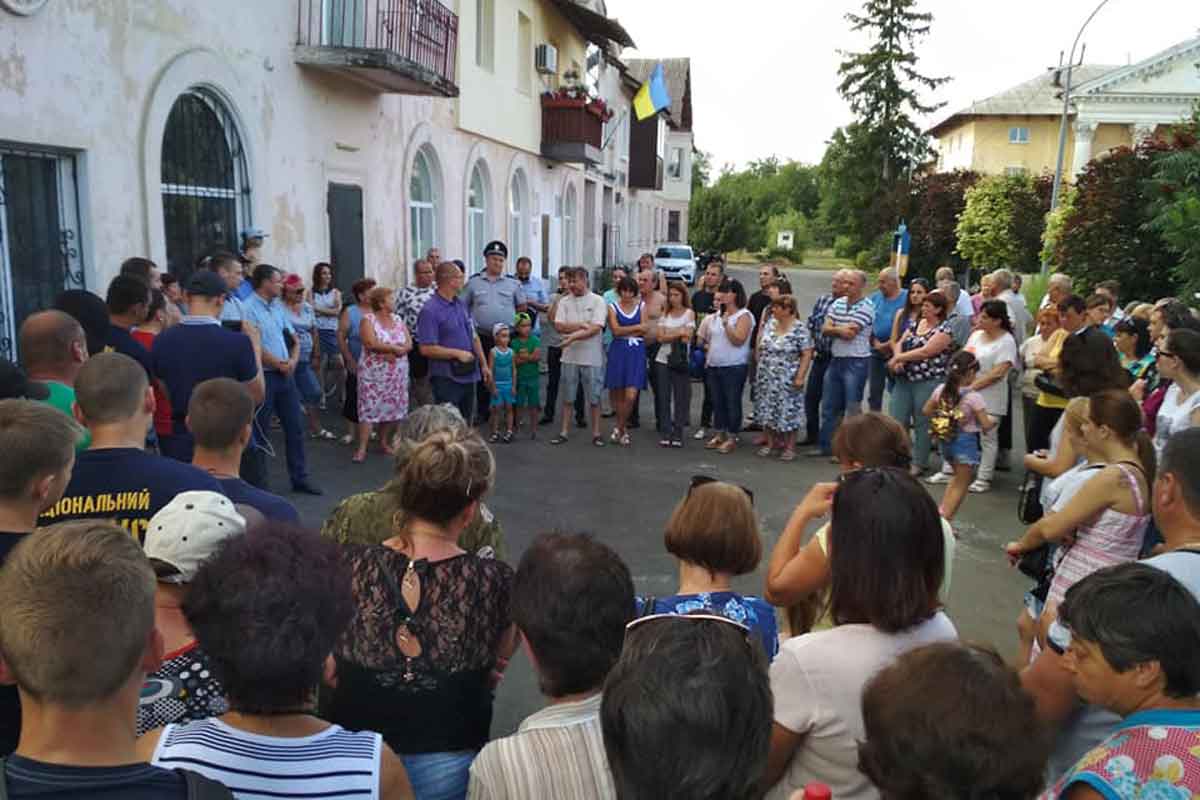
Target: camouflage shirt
column 366, row 518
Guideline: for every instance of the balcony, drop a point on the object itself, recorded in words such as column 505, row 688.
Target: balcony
column 388, row 46
column 572, row 129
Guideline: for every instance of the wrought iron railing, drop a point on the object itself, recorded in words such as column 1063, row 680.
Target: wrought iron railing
column 423, row 32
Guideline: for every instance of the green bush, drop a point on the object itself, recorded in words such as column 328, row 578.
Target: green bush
column 845, row 247
column 1033, row 287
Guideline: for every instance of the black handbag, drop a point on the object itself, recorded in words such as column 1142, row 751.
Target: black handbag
column 677, row 358
column 1029, row 502
column 1046, row 384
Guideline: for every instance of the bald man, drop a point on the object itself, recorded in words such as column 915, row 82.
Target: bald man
column 53, row 350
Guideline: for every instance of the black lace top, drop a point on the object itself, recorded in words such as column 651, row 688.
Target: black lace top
column 419, row 674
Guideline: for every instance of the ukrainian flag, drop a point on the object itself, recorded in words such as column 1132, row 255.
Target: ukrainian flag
column 652, row 97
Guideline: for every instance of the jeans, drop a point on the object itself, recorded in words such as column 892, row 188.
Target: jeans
column 879, row 377
column 706, row 405
column 812, row 396
column 306, row 382
column 459, row 395
column 845, row 380
column 1029, row 408
column 439, row 776
column 554, row 375
column 727, row 384
column 908, row 398
column 674, row 390
column 283, row 400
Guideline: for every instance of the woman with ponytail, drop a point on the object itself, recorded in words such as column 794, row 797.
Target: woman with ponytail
column 432, row 632
column 957, row 414
column 1105, row 520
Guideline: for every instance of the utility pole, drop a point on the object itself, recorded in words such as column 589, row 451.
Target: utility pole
column 1055, row 195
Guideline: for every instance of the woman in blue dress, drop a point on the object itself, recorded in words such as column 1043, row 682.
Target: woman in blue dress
column 626, row 372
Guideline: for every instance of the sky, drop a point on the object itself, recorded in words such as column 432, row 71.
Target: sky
column 764, row 72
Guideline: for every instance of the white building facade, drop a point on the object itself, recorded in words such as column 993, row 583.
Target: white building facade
column 357, row 131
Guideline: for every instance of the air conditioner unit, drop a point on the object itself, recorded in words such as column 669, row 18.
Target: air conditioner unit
column 546, row 59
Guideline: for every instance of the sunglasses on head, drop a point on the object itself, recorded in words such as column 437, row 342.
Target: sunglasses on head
column 701, row 480
column 704, row 617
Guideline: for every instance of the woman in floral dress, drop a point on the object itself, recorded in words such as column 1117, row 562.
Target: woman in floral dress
column 785, row 351
column 382, row 370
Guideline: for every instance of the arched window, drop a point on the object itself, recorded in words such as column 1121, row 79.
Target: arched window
column 477, row 217
column 518, row 217
column 422, row 204
column 205, row 191
column 569, row 231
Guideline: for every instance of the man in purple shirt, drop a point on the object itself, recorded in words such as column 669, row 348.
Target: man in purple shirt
column 448, row 339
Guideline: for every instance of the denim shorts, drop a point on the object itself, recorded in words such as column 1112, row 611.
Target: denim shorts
column 962, row 449
column 306, row 382
column 439, row 776
column 590, row 378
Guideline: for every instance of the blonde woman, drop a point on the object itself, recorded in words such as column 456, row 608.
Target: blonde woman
column 382, row 371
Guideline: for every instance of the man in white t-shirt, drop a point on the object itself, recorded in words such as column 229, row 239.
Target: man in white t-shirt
column 1175, row 494
column 580, row 318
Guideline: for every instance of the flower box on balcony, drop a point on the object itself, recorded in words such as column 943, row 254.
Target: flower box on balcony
column 572, row 128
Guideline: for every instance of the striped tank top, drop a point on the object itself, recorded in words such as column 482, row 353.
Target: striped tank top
column 334, row 763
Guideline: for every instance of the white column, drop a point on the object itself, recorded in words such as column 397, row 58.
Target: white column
column 1085, row 132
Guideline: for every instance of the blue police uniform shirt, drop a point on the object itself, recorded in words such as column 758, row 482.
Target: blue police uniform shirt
column 272, row 322
column 244, row 290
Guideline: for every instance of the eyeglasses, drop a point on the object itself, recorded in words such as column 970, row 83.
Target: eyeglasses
column 701, row 480
column 745, row 629
column 1162, row 353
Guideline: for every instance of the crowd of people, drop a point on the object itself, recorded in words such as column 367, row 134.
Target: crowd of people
column 168, row 627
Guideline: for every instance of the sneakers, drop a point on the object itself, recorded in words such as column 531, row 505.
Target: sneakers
column 699, row 434
column 979, row 487
column 938, row 477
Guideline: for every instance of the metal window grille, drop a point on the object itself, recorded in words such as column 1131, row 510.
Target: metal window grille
column 205, row 186
column 40, row 252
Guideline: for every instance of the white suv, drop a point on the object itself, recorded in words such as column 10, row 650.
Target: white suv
column 677, row 261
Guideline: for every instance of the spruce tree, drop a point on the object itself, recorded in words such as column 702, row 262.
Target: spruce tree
column 882, row 85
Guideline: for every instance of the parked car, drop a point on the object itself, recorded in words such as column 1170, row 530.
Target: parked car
column 677, row 261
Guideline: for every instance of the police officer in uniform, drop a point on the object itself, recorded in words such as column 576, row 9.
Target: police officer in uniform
column 491, row 297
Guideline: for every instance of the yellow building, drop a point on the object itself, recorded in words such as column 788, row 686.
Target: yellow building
column 1017, row 130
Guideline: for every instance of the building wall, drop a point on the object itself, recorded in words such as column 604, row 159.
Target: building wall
column 99, row 80
column 1109, row 135
column 492, row 103
column 993, row 154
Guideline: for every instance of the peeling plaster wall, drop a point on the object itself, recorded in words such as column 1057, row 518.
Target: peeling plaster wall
column 98, row 77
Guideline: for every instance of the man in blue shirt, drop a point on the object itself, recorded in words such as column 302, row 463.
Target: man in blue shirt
column 200, row 348
column 447, row 337
column 491, row 297
column 537, row 300
column 887, row 300
column 221, row 416
column 822, row 348
column 280, row 352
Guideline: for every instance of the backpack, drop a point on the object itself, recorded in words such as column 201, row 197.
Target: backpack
column 198, row 786
column 944, row 422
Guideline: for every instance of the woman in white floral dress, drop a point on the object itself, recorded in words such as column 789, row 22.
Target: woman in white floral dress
column 785, row 352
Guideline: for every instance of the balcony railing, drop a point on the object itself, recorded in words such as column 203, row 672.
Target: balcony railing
column 401, row 46
column 572, row 130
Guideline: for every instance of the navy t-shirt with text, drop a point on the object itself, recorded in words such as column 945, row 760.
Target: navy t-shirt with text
column 126, row 484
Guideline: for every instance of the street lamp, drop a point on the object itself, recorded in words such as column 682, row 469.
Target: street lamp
column 1062, row 127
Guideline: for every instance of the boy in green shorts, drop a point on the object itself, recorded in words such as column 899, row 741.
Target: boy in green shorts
column 527, row 353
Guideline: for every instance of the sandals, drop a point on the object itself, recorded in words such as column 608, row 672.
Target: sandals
column 559, row 439
column 625, row 440
column 764, row 452
column 615, row 436
column 507, row 437
column 598, row 441
column 788, row 454
column 677, row 443
column 494, row 438
column 714, row 442
column 323, row 434
column 664, row 442
column 358, row 458
column 728, row 446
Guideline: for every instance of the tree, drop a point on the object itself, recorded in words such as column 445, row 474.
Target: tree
column 701, row 170
column 938, row 199
column 1001, row 225
column 1105, row 235
column 849, row 185
column 882, row 84
column 720, row 220
column 1174, row 190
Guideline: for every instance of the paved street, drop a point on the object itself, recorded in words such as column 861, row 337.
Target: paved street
column 624, row 497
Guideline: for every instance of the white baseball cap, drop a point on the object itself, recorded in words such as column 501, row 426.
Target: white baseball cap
column 187, row 531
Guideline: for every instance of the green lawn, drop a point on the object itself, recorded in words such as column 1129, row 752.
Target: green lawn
column 813, row 259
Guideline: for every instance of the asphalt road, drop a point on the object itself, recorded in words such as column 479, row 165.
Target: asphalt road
column 624, row 496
